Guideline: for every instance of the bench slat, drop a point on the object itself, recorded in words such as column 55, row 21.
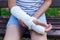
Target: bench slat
column 54, row 34
column 3, row 3
column 55, row 3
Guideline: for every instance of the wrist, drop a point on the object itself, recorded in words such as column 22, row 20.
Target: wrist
column 33, row 18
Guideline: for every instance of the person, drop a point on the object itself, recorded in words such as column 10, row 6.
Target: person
column 35, row 8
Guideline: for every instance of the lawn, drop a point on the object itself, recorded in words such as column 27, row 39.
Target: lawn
column 53, row 12
column 5, row 12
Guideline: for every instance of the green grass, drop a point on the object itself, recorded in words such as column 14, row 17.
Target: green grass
column 53, row 12
column 49, row 12
column 5, row 12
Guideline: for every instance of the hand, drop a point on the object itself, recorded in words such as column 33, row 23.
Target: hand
column 37, row 22
column 47, row 26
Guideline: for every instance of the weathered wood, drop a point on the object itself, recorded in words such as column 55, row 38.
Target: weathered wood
column 3, row 3
column 54, row 34
column 55, row 3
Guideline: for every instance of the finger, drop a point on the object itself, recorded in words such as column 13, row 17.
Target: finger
column 49, row 28
column 48, row 25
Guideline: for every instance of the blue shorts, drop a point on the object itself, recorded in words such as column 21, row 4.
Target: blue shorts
column 14, row 20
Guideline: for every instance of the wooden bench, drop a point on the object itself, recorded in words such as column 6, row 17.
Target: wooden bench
column 55, row 21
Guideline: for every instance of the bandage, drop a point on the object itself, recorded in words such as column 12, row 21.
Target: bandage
column 38, row 28
column 20, row 14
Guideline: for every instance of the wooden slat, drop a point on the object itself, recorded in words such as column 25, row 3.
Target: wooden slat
column 3, row 3
column 54, row 34
column 53, row 18
column 55, row 23
column 2, row 32
column 55, row 3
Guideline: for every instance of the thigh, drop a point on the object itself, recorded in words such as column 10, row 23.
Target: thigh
column 36, row 36
column 13, row 32
column 13, row 29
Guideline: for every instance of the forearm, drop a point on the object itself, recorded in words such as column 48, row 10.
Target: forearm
column 42, row 9
column 38, row 22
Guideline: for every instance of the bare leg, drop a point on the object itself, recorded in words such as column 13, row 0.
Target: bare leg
column 13, row 32
column 36, row 36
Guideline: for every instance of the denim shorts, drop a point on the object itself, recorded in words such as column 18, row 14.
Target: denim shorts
column 14, row 20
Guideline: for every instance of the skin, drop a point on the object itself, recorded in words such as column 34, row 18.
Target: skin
column 14, row 33
column 43, row 8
